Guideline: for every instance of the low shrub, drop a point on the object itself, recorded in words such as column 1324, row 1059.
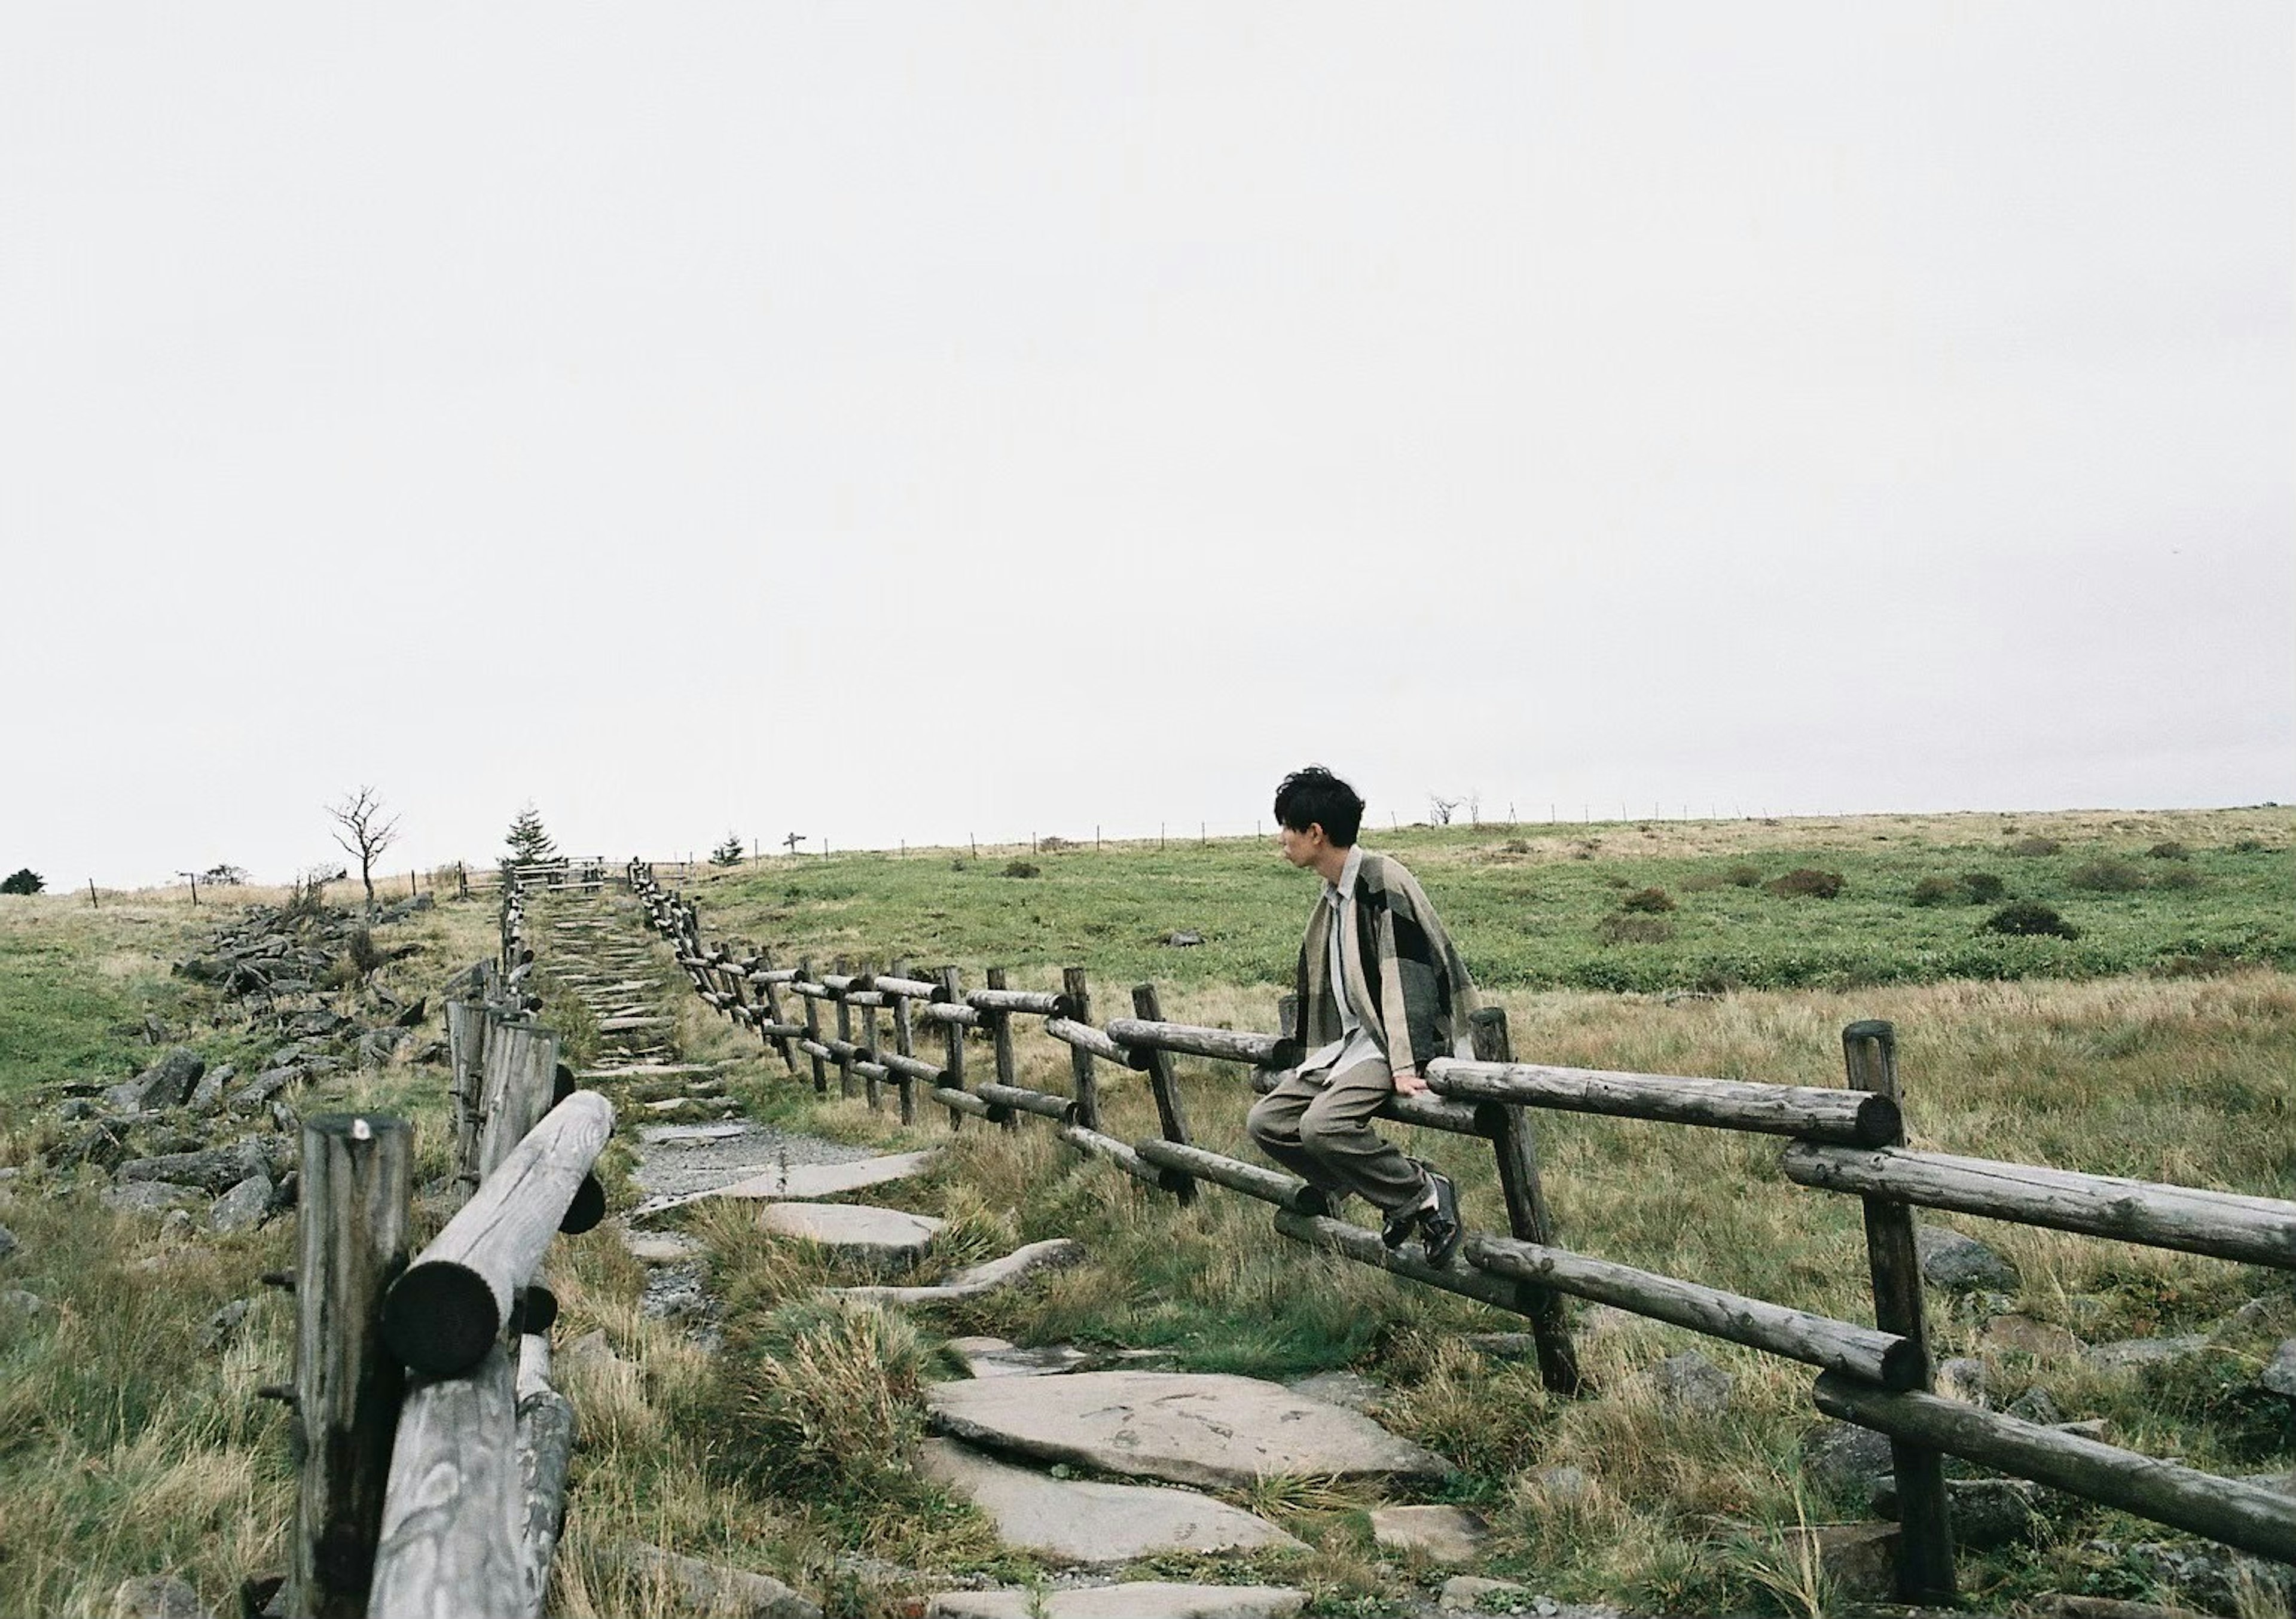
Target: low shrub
column 1053, row 845
column 1648, row 901
column 2106, row 877
column 1983, row 887
column 2033, row 847
column 1633, row 930
column 2248, row 846
column 2171, row 850
column 1939, row 891
column 2028, row 917
column 2178, row 877
column 1805, row 882
column 1702, row 882
column 1021, row 868
column 1743, row 877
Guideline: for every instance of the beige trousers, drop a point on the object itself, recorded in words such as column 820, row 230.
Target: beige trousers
column 1318, row 1125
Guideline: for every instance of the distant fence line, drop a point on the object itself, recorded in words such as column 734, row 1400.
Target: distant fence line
column 1851, row 1139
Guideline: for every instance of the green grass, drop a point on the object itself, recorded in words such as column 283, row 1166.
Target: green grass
column 1539, row 906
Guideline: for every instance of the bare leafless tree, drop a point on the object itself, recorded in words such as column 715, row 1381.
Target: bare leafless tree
column 1442, row 807
column 365, row 832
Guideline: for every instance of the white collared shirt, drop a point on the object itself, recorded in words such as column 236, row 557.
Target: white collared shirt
column 1354, row 1044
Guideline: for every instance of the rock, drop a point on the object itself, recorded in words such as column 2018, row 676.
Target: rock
column 1052, row 1253
column 1962, row 1378
column 1071, row 1521
column 176, row 1223
column 102, row 1143
column 800, row 1181
column 1987, row 1513
column 258, row 1092
column 1845, row 1460
column 590, row 1347
column 168, row 1081
column 1465, row 1594
column 2093, row 1427
column 2022, row 1334
column 282, row 1118
column 207, row 1095
column 2128, row 1353
column 1351, row 1389
column 157, row 1597
column 1184, row 939
column 1217, row 1431
column 1861, row 1559
column 214, row 1170
column 78, row 1109
column 2056, row 1605
column 1134, row 1599
column 1962, row 1264
column 660, row 1248
column 2035, row 1405
column 998, row 1358
column 243, row 1205
column 1503, row 1346
column 8, row 1243
column 2278, row 1376
column 681, row 1135
column 317, row 1023
column 853, row 1230
column 223, row 1325
column 411, row 1016
column 154, row 1197
column 18, row 1307
column 1690, row 1382
column 377, row 1047
column 1441, row 1534
column 1560, row 1483
column 688, row 1584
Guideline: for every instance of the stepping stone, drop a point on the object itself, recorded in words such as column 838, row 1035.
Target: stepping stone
column 1211, row 1429
column 998, row 1274
column 681, row 1135
column 659, row 1248
column 623, row 1025
column 1134, row 1599
column 1442, row 1535
column 647, row 1070
column 1351, row 1389
column 1071, row 1521
column 799, row 1181
column 856, row 1230
column 1001, row 1357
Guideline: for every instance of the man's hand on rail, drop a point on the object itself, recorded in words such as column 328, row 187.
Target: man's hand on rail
column 1408, row 1083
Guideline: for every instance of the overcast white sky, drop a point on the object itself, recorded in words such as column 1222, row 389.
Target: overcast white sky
column 897, row 421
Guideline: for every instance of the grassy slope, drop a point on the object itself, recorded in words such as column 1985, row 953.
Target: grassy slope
column 1527, row 903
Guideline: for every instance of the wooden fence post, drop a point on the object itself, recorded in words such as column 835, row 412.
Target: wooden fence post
column 1528, row 1217
column 1924, row 1527
column 1079, row 991
column 953, row 1035
column 905, row 1042
column 1000, row 1044
column 466, row 1055
column 813, row 1028
column 844, row 1036
column 1164, row 1086
column 772, row 996
column 350, row 1231
column 869, row 1043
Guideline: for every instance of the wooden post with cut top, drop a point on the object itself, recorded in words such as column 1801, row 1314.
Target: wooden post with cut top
column 1000, row 1044
column 1528, row 1217
column 813, row 1029
column 1164, row 1086
column 1078, row 990
column 953, row 1034
column 1869, row 1050
column 905, row 1042
column 844, row 1047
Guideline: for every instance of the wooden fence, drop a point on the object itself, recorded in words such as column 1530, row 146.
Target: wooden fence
column 432, row 1450
column 1849, row 1140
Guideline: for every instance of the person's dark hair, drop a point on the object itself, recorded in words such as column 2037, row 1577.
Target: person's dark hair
column 1314, row 796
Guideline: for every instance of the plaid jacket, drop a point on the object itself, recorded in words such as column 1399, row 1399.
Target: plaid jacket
column 1417, row 993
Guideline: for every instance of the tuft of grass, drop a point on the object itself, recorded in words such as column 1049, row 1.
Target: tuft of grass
column 2030, row 918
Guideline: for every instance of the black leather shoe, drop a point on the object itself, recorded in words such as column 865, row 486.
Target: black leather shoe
column 1400, row 1223
column 1439, row 1230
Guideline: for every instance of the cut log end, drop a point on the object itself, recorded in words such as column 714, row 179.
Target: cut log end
column 588, row 1209
column 441, row 1318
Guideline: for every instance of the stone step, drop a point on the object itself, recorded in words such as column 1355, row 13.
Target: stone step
column 800, row 1181
column 1134, row 1599
column 1074, row 1521
column 1210, row 1429
column 854, row 1231
column 1052, row 1253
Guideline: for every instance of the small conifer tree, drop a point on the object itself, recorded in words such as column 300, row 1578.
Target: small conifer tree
column 24, row 880
column 527, row 843
column 728, row 852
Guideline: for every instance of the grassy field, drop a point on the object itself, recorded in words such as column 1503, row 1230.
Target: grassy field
column 127, row 1447
column 1545, row 906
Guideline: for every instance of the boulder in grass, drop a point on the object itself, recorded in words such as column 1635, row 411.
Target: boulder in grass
column 2279, row 1374
column 8, row 1243
column 1962, row 1265
column 152, row 1196
column 157, row 1597
column 245, row 1205
column 1690, row 1382
column 167, row 1082
column 214, row 1170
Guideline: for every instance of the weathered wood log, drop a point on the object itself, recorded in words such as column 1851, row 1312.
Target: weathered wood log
column 1427, row 1111
column 954, row 1014
column 913, row 1067
column 1807, row 1111
column 1164, row 1087
column 521, row 1067
column 1084, row 1037
column 1114, row 1151
column 1528, row 1219
column 996, row 998
column 2252, row 1517
column 1925, row 1572
column 900, row 985
column 767, row 977
column 453, row 1523
column 1000, row 1039
column 1021, row 1098
column 903, row 1047
column 818, row 1050
column 961, row 1101
column 1078, row 992
column 1362, row 1244
column 811, row 1044
column 466, row 1052
column 545, row 1454
column 2253, row 1230
column 351, row 1242
column 842, row 1045
column 1268, row 1185
column 453, row 1301
column 1818, row 1340
column 1139, row 1034
column 946, row 986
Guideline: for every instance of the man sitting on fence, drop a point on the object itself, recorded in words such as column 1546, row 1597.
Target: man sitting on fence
column 1383, row 991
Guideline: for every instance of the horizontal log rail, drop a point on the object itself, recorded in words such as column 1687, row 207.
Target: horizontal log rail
column 1039, row 1003
column 1085, row 1038
column 1044, row 1104
column 1268, row 1185
column 2252, row 1230
column 1862, row 1352
column 2250, row 1516
column 1139, row 1037
column 1858, row 1117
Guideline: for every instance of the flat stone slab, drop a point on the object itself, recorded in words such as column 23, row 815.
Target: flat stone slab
column 1003, row 1358
column 681, row 1135
column 858, row 1229
column 1073, row 1521
column 1443, row 1534
column 648, row 1070
column 800, row 1181
column 660, row 1247
column 1211, row 1429
column 1135, row 1599
column 1049, row 1254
